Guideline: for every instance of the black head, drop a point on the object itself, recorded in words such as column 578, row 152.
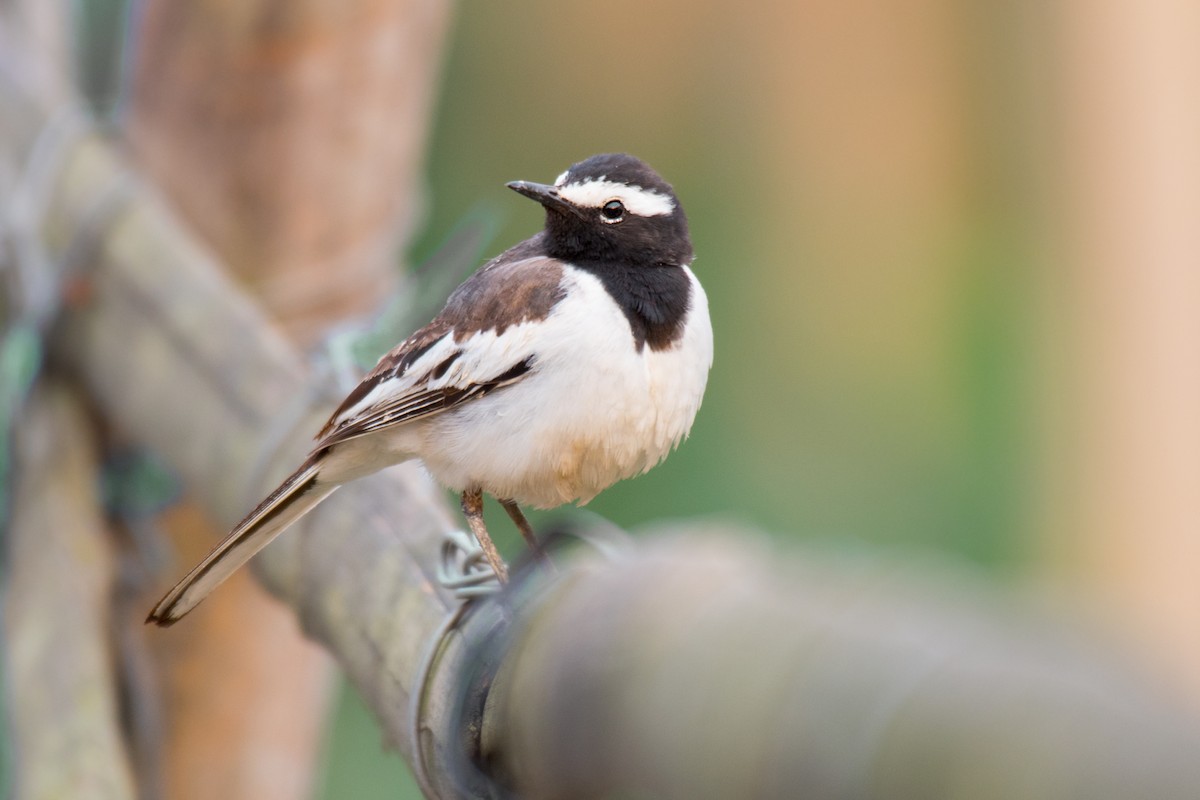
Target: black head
column 612, row 207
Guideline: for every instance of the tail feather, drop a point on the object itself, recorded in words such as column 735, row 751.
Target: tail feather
column 294, row 498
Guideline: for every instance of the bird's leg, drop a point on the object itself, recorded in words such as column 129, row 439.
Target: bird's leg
column 518, row 518
column 472, row 508
column 514, row 513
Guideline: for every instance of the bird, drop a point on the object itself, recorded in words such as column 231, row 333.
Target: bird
column 575, row 359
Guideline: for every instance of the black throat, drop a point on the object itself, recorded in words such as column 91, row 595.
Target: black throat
column 655, row 299
column 638, row 258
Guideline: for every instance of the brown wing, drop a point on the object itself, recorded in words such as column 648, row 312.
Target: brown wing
column 518, row 286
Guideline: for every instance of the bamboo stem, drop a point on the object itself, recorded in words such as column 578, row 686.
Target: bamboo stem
column 59, row 562
column 702, row 666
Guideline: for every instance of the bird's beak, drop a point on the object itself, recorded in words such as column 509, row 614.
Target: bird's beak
column 545, row 194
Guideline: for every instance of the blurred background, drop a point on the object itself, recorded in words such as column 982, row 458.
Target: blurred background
column 952, row 252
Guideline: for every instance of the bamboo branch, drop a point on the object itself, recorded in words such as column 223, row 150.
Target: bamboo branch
column 59, row 576
column 703, row 666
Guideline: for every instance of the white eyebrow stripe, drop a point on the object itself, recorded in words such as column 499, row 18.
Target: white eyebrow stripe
column 595, row 193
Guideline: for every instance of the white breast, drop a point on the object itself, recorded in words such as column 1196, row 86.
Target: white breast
column 592, row 411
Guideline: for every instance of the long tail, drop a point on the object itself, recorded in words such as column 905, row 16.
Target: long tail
column 295, row 497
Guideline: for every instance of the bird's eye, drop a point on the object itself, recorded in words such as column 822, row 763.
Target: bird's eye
column 613, row 211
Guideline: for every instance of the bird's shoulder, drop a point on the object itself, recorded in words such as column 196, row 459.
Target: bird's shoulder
column 522, row 284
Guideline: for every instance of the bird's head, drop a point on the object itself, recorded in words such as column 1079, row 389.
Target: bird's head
column 612, row 207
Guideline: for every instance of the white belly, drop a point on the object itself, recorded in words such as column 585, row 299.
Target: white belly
column 593, row 410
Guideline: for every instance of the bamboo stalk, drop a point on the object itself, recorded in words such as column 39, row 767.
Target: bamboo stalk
column 59, row 565
column 706, row 666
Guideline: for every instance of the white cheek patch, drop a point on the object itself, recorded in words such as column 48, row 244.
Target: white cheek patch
column 595, row 193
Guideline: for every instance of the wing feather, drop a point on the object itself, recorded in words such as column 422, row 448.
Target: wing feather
column 482, row 340
column 420, row 401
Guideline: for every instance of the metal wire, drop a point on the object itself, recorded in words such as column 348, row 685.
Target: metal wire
column 484, row 618
column 464, row 569
column 466, row 573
